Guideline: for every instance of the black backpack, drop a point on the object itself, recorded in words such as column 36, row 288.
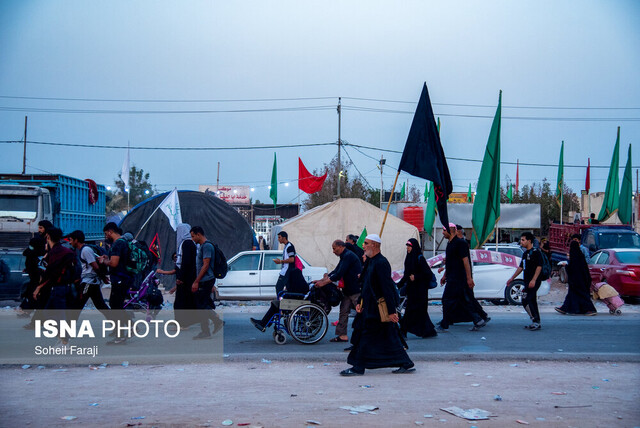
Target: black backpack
column 546, row 266
column 220, row 266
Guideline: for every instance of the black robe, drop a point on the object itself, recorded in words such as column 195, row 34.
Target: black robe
column 377, row 344
column 578, row 300
column 184, row 300
column 416, row 316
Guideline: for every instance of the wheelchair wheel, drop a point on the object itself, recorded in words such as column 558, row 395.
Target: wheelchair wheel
column 308, row 324
column 279, row 337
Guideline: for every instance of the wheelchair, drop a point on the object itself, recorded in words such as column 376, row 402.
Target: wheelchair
column 303, row 320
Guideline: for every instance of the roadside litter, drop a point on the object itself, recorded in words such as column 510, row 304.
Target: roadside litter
column 469, row 414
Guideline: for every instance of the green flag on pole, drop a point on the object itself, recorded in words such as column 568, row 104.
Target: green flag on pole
column 402, row 192
column 560, row 182
column 430, row 212
column 611, row 192
column 273, row 193
column 469, row 194
column 362, row 237
column 626, row 205
column 426, row 191
column 486, row 206
column 510, row 193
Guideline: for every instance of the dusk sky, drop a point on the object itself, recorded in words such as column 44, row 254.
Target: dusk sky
column 213, row 74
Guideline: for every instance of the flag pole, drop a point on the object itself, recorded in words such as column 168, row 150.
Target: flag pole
column 434, row 239
column 154, row 211
column 389, row 204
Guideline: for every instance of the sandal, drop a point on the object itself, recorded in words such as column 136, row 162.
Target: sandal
column 338, row 339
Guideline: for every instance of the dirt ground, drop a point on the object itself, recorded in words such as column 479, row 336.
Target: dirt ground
column 289, row 394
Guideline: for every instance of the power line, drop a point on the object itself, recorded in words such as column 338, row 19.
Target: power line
column 209, row 100
column 478, row 160
column 105, row 111
column 95, row 146
column 537, row 118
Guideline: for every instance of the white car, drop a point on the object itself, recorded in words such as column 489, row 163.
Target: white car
column 252, row 275
column 490, row 279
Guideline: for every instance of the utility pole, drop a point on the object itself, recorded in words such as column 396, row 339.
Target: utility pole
column 382, row 162
column 218, row 180
column 24, row 152
column 339, row 142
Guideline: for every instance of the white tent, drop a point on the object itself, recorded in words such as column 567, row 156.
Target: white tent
column 313, row 231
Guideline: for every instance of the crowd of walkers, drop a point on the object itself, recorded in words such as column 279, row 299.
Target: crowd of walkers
column 65, row 272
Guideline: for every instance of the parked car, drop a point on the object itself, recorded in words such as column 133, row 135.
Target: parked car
column 253, row 275
column 12, row 277
column 513, row 249
column 491, row 282
column 619, row 267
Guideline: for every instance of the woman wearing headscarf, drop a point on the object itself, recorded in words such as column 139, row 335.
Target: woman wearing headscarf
column 416, row 279
column 578, row 300
column 185, row 275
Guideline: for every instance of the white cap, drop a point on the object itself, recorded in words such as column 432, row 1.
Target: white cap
column 375, row 238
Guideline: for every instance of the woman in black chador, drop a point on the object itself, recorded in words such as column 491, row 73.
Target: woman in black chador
column 416, row 279
column 578, row 300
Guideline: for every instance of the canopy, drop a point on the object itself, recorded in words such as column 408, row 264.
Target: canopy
column 313, row 231
column 222, row 224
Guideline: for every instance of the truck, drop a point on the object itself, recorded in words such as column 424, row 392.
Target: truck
column 593, row 236
column 69, row 203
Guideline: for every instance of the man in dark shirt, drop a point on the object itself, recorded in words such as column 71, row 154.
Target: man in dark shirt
column 347, row 271
column 121, row 278
column 58, row 276
column 456, row 301
column 531, row 264
column 352, row 245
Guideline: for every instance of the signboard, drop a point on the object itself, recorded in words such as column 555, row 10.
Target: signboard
column 458, row 198
column 229, row 194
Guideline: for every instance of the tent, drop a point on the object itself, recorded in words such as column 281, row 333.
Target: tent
column 313, row 231
column 222, row 224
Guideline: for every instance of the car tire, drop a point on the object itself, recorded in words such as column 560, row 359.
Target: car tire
column 513, row 292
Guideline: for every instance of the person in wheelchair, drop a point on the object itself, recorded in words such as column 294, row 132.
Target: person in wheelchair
column 296, row 288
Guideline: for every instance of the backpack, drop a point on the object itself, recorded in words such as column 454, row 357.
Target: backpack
column 137, row 258
column 546, row 267
column 220, row 266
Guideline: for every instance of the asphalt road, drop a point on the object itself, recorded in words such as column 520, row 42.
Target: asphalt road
column 561, row 337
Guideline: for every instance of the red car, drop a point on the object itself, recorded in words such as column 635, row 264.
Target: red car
column 619, row 267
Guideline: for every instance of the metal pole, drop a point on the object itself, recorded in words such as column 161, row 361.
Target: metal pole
column 434, row 239
column 24, row 153
column 339, row 141
column 218, row 179
column 381, row 182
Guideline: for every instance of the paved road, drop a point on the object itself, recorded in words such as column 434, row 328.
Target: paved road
column 561, row 337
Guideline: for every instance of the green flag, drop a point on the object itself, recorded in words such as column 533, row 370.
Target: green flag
column 486, row 206
column 426, row 191
column 626, row 205
column 510, row 193
column 273, row 193
column 611, row 192
column 402, row 193
column 362, row 237
column 469, row 194
column 560, row 182
column 430, row 212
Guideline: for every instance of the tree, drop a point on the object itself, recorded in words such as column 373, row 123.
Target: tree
column 139, row 189
column 349, row 187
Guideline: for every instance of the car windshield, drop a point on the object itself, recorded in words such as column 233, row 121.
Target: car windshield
column 618, row 240
column 628, row 257
column 22, row 207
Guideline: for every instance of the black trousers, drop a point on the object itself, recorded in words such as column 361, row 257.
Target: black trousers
column 205, row 306
column 94, row 293
column 119, row 292
column 530, row 303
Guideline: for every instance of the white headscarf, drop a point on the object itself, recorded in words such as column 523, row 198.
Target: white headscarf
column 183, row 232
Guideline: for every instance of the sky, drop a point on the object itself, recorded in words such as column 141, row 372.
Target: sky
column 214, row 74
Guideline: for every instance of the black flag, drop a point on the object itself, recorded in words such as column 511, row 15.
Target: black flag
column 423, row 155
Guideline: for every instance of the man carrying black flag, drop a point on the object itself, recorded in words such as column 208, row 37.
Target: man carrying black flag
column 423, row 155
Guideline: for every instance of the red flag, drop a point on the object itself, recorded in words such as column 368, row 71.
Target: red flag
column 309, row 183
column 587, row 181
column 517, row 175
column 154, row 247
column 93, row 191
